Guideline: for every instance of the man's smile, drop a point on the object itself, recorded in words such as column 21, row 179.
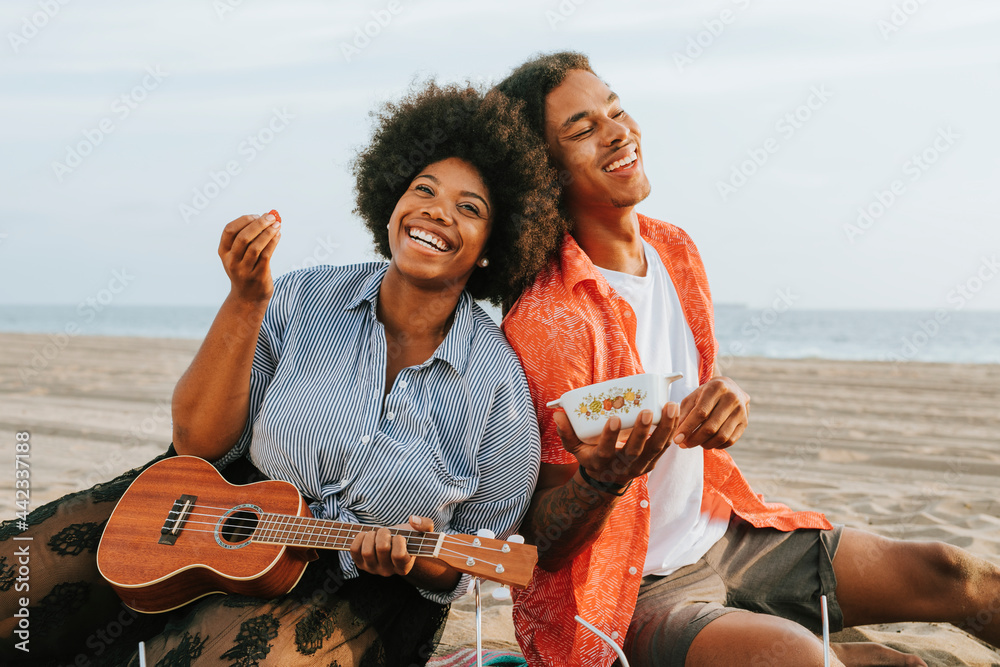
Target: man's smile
column 622, row 162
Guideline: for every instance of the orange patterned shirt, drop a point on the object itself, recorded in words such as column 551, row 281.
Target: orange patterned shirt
column 571, row 329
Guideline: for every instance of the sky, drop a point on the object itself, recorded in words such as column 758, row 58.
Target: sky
column 839, row 154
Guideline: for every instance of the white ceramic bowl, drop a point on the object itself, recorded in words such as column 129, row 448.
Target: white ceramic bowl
column 590, row 407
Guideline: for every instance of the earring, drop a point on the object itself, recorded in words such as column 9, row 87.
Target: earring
column 484, row 262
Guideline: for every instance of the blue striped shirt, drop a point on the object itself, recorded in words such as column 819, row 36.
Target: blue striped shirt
column 455, row 439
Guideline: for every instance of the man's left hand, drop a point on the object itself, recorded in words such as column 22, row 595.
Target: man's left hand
column 713, row 416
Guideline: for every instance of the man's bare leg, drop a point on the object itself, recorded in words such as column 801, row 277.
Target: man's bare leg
column 886, row 581
column 760, row 640
column 879, row 580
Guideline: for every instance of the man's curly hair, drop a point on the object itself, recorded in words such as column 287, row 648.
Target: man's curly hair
column 534, row 80
column 437, row 122
column 530, row 84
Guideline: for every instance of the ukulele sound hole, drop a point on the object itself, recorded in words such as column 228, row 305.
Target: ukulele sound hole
column 238, row 527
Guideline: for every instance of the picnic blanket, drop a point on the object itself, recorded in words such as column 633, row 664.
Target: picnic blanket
column 465, row 657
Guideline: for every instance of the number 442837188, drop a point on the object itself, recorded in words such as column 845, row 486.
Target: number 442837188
column 22, row 474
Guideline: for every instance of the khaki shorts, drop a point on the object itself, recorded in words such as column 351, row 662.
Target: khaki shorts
column 761, row 570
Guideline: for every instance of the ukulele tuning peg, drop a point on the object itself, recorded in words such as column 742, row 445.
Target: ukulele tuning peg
column 486, row 532
column 501, row 593
column 516, row 539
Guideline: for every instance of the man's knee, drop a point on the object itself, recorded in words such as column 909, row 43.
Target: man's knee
column 755, row 640
column 793, row 646
column 955, row 571
column 945, row 559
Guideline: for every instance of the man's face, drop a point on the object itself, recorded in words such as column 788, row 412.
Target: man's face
column 591, row 137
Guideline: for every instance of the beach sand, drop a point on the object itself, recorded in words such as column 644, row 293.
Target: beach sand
column 910, row 451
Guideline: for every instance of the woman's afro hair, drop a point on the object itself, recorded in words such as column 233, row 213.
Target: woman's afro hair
column 436, row 122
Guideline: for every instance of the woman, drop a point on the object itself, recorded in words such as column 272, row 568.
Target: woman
column 380, row 390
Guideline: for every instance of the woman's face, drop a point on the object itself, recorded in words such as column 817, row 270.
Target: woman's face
column 439, row 228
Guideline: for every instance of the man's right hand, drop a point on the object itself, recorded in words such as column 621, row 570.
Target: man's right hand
column 246, row 248
column 607, row 462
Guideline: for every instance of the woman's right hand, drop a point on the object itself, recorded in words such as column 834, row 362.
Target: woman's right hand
column 246, row 248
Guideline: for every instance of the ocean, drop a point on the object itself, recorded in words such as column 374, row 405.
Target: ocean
column 795, row 333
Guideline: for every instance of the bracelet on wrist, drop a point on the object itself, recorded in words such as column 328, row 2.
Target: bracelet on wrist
column 605, row 487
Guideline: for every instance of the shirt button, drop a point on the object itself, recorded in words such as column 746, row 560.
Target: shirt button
column 390, row 415
column 365, row 439
column 644, row 504
column 627, row 314
column 614, row 635
column 402, row 384
column 632, row 570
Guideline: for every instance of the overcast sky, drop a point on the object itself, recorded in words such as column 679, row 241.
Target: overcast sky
column 845, row 151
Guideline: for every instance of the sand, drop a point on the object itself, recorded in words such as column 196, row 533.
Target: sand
column 908, row 450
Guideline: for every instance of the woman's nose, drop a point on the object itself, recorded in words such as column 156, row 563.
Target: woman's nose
column 435, row 210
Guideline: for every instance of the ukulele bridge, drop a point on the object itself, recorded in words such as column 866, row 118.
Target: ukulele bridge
column 176, row 518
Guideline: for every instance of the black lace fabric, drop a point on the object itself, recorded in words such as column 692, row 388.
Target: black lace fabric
column 77, row 618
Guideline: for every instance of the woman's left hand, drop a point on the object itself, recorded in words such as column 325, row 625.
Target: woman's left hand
column 379, row 552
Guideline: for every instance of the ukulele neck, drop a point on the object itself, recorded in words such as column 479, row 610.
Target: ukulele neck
column 299, row 531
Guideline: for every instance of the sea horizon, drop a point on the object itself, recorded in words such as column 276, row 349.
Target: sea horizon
column 942, row 335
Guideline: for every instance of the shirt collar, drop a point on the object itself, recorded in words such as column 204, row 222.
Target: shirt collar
column 577, row 266
column 457, row 344
column 368, row 290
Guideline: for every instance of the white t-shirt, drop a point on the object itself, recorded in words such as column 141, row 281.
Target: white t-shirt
column 682, row 528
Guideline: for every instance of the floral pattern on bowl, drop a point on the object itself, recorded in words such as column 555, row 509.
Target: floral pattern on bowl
column 590, row 407
column 604, row 405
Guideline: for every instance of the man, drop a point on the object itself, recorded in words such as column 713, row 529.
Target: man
column 662, row 544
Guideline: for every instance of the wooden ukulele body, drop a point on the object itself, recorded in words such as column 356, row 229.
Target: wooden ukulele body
column 181, row 532
column 152, row 576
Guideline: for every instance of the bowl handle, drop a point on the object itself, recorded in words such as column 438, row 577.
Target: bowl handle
column 554, row 404
column 666, row 384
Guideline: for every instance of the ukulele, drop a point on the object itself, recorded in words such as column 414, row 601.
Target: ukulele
column 181, row 532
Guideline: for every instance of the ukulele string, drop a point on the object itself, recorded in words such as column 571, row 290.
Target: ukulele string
column 344, row 546
column 293, row 523
column 260, row 523
column 249, row 522
column 446, row 552
column 300, row 534
column 272, row 524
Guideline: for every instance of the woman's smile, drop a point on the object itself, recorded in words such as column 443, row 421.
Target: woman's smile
column 441, row 223
column 423, row 238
